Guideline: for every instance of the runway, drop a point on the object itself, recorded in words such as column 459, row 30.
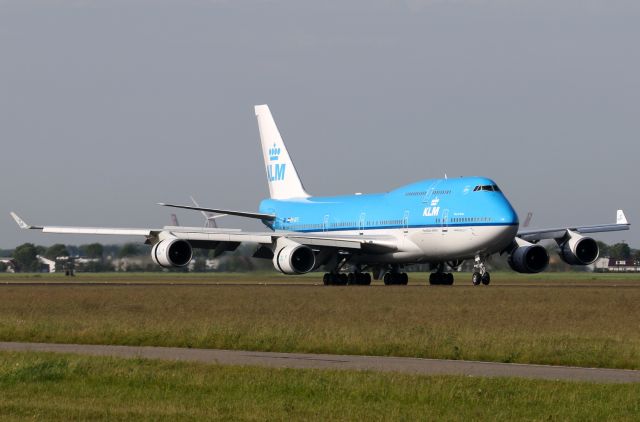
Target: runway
column 340, row 362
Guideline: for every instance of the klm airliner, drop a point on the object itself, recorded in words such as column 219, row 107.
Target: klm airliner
column 441, row 222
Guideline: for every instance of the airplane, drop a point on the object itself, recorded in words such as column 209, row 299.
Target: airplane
column 442, row 222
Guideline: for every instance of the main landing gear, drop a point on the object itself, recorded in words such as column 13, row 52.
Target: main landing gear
column 480, row 273
column 396, row 278
column 351, row 279
column 440, row 278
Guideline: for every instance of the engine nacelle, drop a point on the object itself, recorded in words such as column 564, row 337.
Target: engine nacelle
column 293, row 258
column 579, row 250
column 172, row 252
column 528, row 258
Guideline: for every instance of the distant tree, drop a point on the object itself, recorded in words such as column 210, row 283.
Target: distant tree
column 620, row 251
column 96, row 267
column 110, row 250
column 56, row 251
column 605, row 250
column 93, row 250
column 73, row 250
column 130, row 249
column 26, row 257
column 3, row 267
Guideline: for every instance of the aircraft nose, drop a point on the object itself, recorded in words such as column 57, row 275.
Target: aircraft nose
column 507, row 214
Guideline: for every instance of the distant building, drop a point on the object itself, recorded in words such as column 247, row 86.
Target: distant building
column 617, row 265
column 10, row 263
column 48, row 265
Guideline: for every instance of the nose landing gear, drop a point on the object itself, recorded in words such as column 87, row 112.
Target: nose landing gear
column 480, row 273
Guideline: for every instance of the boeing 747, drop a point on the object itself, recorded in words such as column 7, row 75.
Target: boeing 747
column 442, row 222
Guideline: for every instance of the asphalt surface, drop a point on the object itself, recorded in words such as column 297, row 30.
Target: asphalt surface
column 340, row 362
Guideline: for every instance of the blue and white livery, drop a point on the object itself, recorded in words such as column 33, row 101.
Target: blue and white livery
column 442, row 222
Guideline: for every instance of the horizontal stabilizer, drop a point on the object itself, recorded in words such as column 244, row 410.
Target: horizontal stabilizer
column 259, row 216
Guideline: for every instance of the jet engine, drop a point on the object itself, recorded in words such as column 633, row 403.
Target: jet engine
column 528, row 258
column 172, row 252
column 293, row 258
column 579, row 250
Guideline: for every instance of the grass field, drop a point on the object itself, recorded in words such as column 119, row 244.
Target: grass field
column 272, row 277
column 550, row 324
column 65, row 387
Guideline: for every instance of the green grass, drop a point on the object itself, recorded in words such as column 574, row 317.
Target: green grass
column 584, row 326
column 66, row 387
column 273, row 277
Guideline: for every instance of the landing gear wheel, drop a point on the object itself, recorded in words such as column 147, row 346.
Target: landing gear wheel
column 326, row 279
column 486, row 279
column 352, row 279
column 448, row 279
column 433, row 279
column 365, row 279
column 441, row 279
column 476, row 279
column 396, row 279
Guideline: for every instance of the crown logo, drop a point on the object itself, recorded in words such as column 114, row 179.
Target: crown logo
column 274, row 153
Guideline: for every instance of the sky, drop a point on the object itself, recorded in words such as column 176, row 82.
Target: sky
column 108, row 107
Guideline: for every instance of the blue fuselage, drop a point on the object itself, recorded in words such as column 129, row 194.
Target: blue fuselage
column 465, row 202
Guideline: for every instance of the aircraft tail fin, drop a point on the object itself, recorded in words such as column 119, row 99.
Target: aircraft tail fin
column 284, row 182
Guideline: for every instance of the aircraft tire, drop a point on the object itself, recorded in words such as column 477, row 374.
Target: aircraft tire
column 486, row 279
column 326, row 279
column 433, row 279
column 404, row 279
column 343, row 279
column 352, row 278
column 366, row 279
column 449, row 279
column 388, row 279
column 476, row 279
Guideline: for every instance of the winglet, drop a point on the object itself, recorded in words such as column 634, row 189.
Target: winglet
column 621, row 218
column 20, row 222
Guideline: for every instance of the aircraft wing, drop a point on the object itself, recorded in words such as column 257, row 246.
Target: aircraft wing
column 559, row 233
column 228, row 239
column 256, row 215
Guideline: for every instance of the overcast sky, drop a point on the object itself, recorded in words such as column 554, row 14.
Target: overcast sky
column 107, row 107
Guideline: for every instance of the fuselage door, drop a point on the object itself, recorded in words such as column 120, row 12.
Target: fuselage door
column 405, row 221
column 445, row 221
column 325, row 223
column 361, row 222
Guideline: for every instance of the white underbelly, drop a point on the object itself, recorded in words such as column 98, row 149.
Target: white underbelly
column 434, row 244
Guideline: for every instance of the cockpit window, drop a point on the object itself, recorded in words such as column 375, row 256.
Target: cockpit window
column 489, row 188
